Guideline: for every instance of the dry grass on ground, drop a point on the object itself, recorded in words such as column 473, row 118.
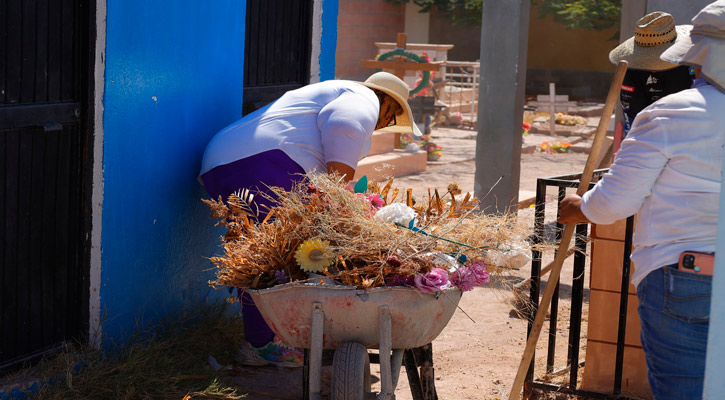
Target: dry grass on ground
column 164, row 361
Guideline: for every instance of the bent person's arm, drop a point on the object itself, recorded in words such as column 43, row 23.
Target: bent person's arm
column 346, row 127
column 347, row 172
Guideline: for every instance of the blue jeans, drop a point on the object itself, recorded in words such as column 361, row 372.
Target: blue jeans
column 674, row 309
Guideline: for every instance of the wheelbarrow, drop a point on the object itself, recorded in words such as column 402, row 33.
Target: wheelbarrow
column 350, row 321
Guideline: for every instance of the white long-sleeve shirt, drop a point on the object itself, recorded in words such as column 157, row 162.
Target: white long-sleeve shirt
column 316, row 124
column 668, row 171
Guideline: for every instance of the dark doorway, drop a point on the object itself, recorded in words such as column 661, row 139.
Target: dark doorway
column 45, row 161
column 276, row 50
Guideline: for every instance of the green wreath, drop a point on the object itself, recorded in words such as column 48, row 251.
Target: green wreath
column 400, row 52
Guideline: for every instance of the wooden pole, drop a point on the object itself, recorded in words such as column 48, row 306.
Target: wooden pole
column 526, row 282
column 401, row 40
column 400, row 43
column 586, row 178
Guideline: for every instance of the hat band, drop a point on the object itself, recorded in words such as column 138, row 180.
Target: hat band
column 655, row 39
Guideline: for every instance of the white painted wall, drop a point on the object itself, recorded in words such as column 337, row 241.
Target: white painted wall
column 416, row 24
column 631, row 11
column 316, row 41
column 682, row 11
column 94, row 301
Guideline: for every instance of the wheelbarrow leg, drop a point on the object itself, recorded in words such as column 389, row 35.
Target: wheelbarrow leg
column 315, row 371
column 427, row 376
column 306, row 375
column 422, row 386
column 411, row 369
column 389, row 366
column 397, row 362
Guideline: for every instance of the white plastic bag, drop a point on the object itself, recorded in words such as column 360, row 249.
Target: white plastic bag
column 395, row 213
column 515, row 256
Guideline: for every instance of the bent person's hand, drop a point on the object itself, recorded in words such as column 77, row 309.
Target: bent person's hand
column 570, row 211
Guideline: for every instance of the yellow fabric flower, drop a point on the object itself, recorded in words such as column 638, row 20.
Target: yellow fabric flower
column 314, row 255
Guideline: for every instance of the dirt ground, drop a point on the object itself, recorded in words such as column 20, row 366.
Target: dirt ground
column 476, row 357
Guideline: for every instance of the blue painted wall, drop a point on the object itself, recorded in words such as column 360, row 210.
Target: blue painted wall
column 173, row 78
column 328, row 44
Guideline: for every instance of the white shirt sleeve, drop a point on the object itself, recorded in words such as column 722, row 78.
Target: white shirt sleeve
column 346, row 126
column 638, row 163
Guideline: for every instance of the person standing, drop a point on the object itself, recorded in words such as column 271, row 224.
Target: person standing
column 648, row 77
column 324, row 127
column 669, row 171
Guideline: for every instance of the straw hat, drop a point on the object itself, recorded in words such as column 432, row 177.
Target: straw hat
column 704, row 47
column 397, row 89
column 653, row 34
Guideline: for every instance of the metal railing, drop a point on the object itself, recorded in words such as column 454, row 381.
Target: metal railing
column 458, row 89
column 577, row 298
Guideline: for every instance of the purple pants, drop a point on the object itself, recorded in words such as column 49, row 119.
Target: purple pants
column 256, row 173
column 270, row 168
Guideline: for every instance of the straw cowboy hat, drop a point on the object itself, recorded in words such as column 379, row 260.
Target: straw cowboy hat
column 398, row 90
column 704, row 47
column 653, row 34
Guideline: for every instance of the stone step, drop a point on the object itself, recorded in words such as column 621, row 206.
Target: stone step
column 467, row 107
column 382, row 142
column 393, row 163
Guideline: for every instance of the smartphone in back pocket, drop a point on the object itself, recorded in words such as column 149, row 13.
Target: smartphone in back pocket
column 697, row 262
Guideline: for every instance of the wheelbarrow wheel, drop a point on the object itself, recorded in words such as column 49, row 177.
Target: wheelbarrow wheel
column 350, row 372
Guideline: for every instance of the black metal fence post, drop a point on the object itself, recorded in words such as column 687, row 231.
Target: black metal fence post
column 577, row 296
column 623, row 302
column 539, row 216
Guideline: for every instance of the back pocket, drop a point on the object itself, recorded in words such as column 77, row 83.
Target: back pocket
column 687, row 295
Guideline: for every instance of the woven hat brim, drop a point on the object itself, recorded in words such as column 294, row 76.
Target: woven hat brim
column 704, row 52
column 404, row 120
column 647, row 58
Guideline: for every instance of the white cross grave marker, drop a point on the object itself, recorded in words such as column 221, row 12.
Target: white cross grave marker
column 552, row 103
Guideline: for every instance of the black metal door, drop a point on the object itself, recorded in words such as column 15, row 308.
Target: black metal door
column 44, row 92
column 276, row 50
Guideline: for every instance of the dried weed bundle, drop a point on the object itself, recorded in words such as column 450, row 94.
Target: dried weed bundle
column 360, row 250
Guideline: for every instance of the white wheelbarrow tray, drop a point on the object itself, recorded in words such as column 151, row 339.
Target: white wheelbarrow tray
column 314, row 317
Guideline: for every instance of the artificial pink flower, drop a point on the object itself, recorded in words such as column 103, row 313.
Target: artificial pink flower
column 376, row 201
column 434, row 281
column 464, row 279
column 468, row 276
column 479, row 269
